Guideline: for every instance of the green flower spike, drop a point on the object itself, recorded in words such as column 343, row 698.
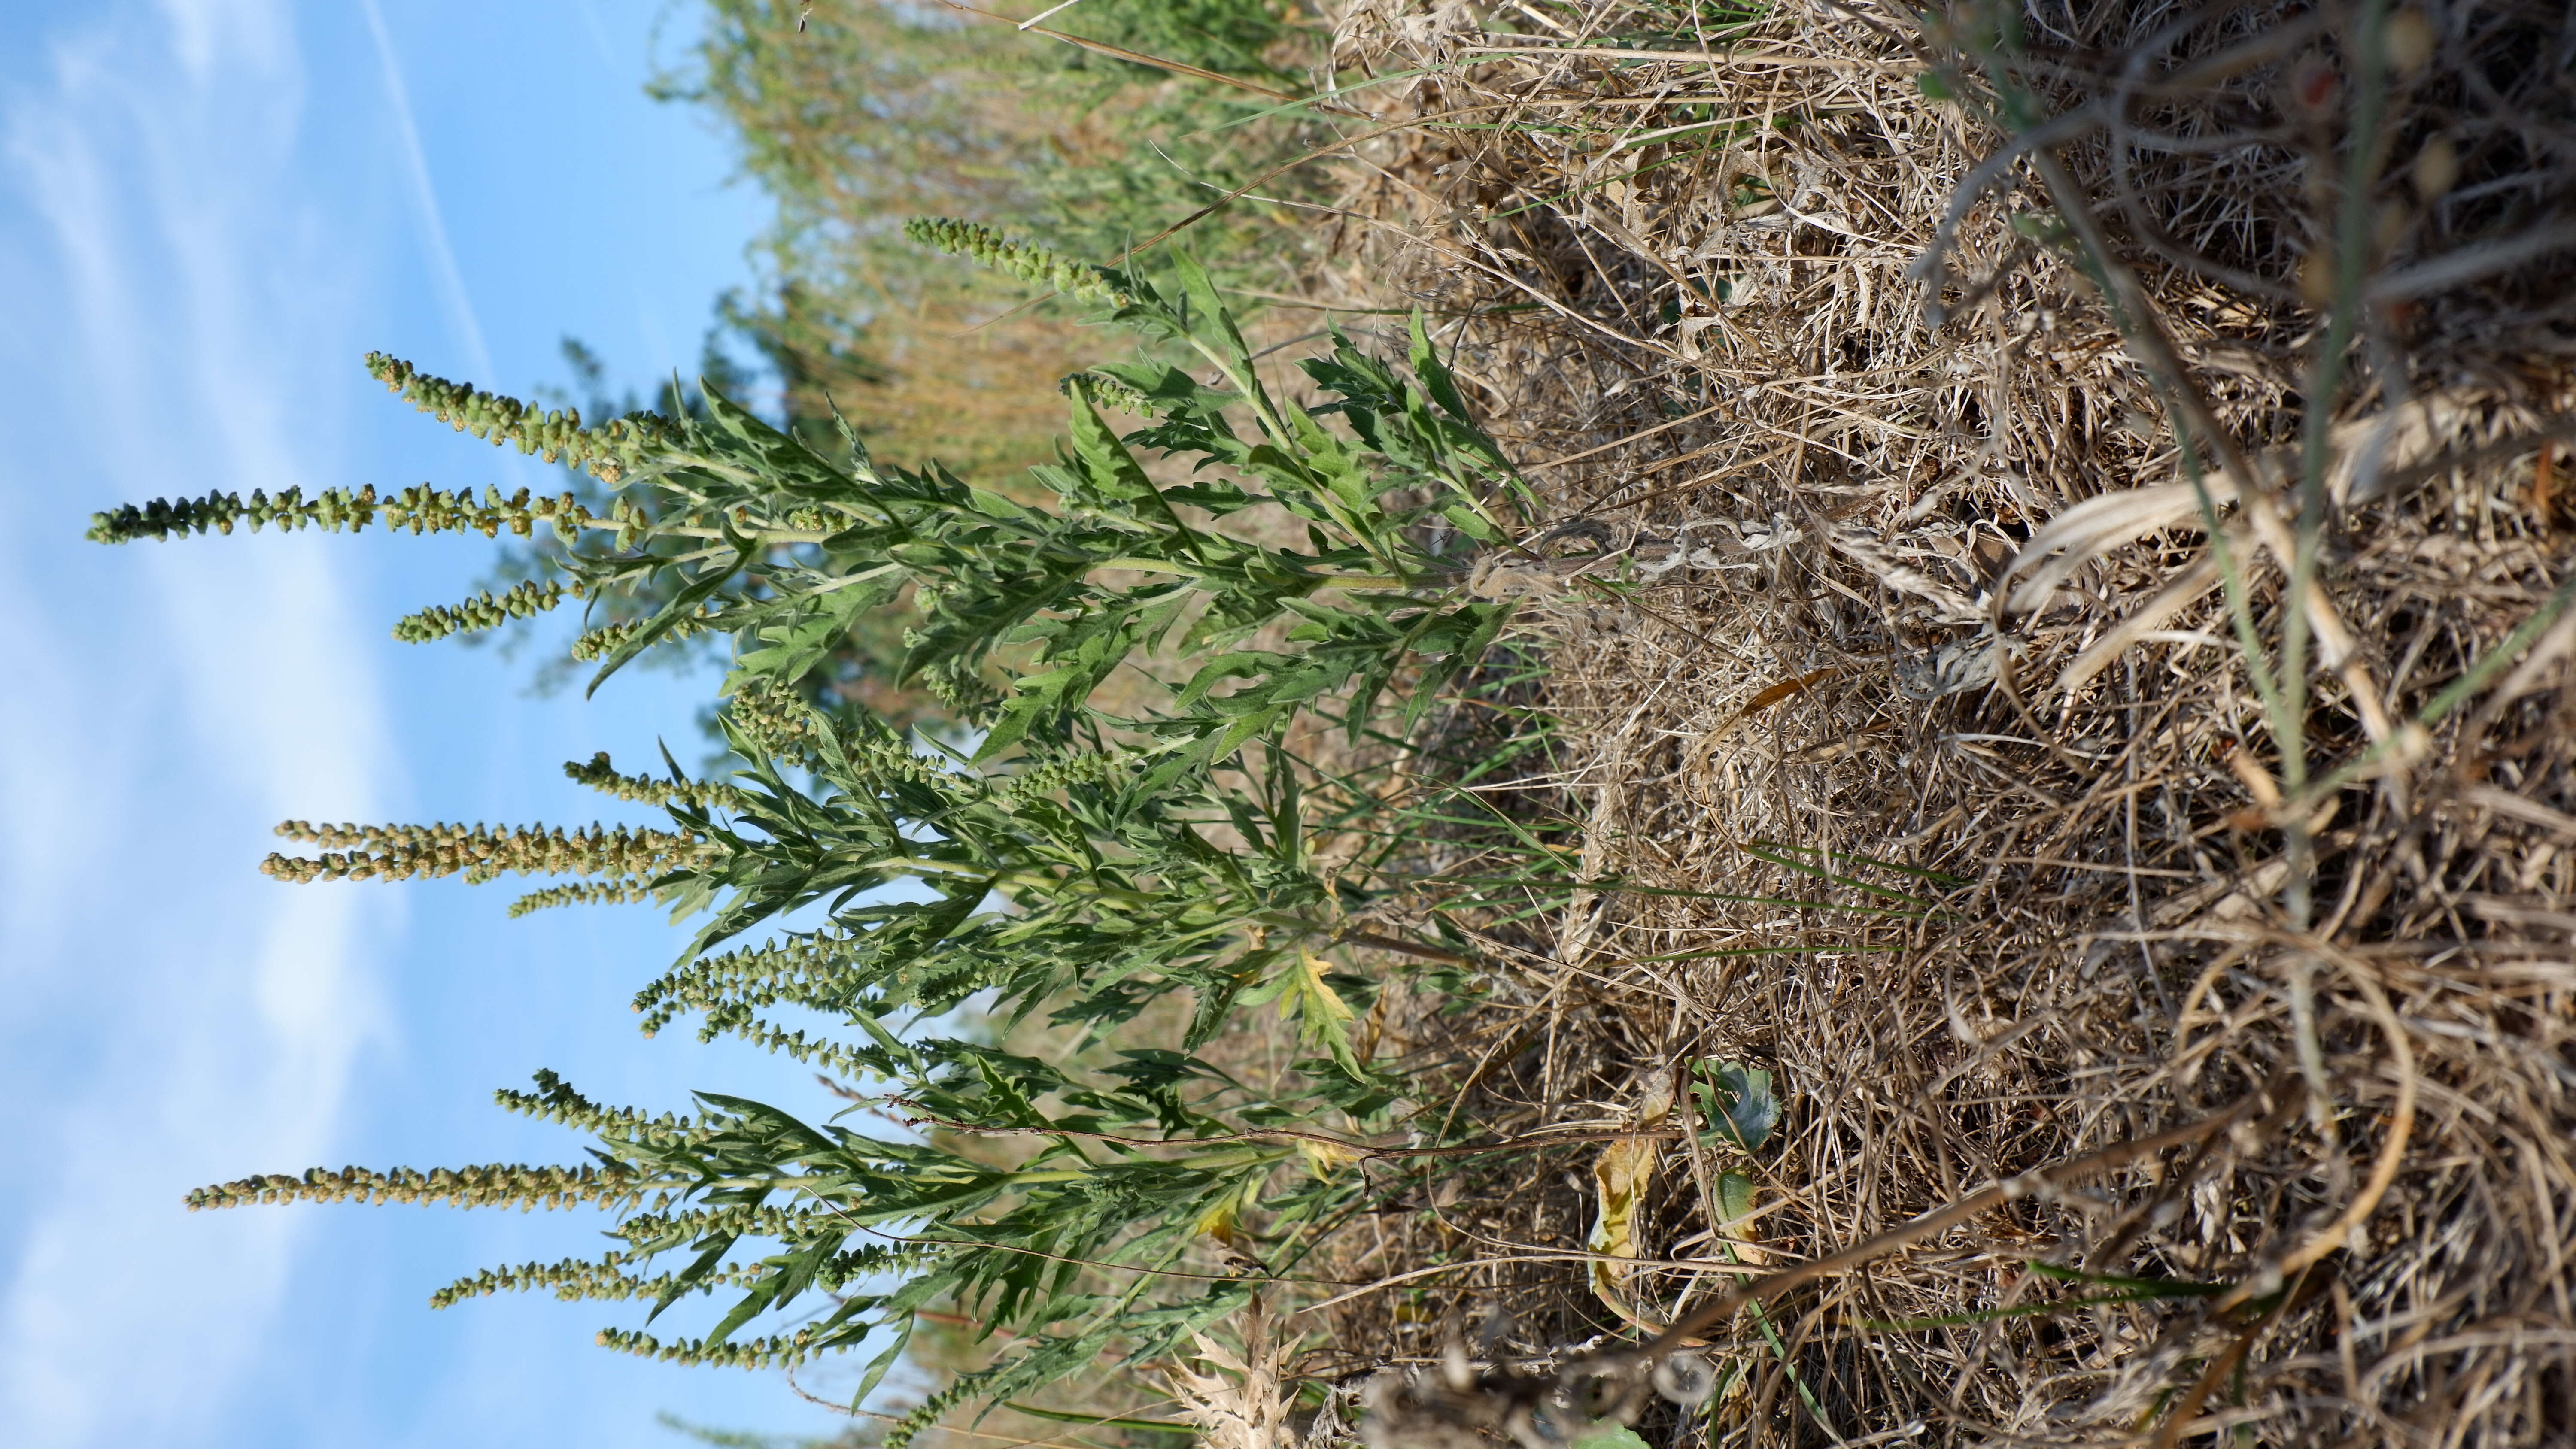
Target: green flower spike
column 1031, row 263
column 602, row 776
column 607, row 452
column 408, row 852
column 420, row 508
column 483, row 611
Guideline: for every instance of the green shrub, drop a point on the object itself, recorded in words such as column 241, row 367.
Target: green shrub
column 1075, row 864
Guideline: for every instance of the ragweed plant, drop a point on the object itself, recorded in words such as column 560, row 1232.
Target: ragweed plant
column 1073, row 861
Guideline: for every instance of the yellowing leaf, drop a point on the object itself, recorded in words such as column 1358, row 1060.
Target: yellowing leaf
column 1323, row 1159
column 1306, row 998
column 1223, row 1219
column 1625, row 1169
column 1218, row 1222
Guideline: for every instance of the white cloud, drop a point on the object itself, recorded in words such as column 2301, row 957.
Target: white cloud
column 424, row 196
column 177, row 1018
column 209, row 37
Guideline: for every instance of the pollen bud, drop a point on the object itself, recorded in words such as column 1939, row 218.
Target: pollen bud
column 2436, row 169
column 2389, row 227
column 2408, row 42
column 2317, row 278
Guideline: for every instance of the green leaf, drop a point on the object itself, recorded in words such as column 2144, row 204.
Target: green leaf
column 1734, row 1196
column 1436, row 378
column 1104, row 1421
column 1211, row 308
column 1106, row 462
column 884, row 1362
column 1736, row 1101
column 694, row 1274
column 682, row 605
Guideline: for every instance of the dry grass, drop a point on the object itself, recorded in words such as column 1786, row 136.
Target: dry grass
column 1916, row 576
column 857, row 114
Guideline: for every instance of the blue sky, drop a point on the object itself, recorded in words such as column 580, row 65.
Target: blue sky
column 208, row 210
